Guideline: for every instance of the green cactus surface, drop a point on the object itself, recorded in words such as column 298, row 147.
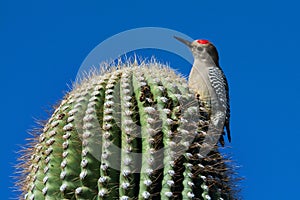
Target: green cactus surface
column 132, row 132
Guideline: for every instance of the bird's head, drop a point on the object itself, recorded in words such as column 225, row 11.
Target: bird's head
column 202, row 49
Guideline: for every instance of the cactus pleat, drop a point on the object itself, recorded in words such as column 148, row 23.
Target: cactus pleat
column 129, row 133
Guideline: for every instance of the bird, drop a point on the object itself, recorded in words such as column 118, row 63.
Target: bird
column 210, row 84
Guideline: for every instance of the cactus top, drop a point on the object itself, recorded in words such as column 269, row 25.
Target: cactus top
column 129, row 133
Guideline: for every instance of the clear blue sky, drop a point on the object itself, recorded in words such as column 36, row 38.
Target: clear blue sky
column 43, row 44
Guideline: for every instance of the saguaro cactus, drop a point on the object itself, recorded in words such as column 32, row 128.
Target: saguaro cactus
column 133, row 132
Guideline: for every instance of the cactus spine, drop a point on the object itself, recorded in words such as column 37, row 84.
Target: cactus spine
column 130, row 133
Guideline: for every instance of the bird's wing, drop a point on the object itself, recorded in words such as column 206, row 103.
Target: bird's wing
column 220, row 86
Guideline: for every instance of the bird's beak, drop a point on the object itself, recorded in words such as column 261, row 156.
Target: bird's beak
column 187, row 43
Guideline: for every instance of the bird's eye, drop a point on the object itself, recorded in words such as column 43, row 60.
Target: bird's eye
column 199, row 48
